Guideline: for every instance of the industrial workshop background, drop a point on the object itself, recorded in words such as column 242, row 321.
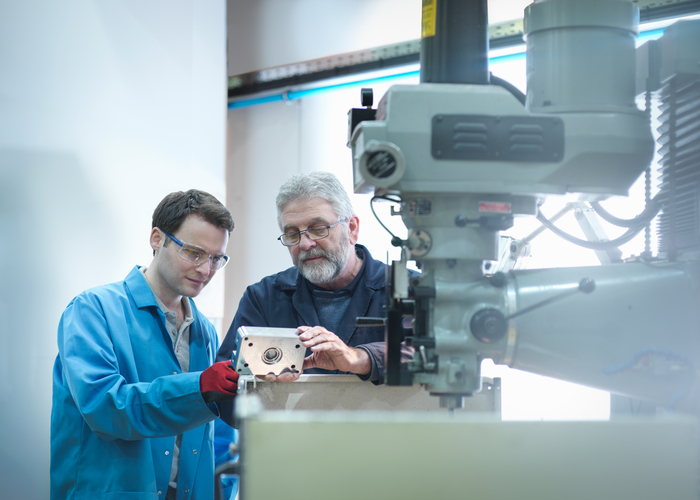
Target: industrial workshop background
column 105, row 107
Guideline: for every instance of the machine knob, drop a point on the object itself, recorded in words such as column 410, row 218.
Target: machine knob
column 367, row 97
column 488, row 325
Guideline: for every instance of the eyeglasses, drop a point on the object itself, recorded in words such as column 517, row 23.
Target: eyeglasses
column 198, row 256
column 313, row 232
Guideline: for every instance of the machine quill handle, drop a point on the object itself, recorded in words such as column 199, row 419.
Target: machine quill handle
column 490, row 325
column 364, row 321
column 586, row 285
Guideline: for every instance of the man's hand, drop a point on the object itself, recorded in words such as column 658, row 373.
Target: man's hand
column 219, row 382
column 328, row 353
column 331, row 353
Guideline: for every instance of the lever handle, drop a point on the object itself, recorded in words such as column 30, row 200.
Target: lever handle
column 586, row 285
column 490, row 325
column 363, row 321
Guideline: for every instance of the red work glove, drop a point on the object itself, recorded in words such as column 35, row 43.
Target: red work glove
column 219, row 382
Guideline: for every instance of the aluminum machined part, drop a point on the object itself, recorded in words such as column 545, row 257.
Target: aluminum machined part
column 264, row 350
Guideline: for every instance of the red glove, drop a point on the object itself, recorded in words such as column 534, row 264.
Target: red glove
column 219, row 382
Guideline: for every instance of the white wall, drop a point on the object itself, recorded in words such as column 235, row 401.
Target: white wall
column 105, row 107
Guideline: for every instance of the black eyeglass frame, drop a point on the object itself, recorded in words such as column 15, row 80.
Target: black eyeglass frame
column 309, row 235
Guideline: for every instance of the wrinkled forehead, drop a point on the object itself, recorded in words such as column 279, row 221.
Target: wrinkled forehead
column 305, row 212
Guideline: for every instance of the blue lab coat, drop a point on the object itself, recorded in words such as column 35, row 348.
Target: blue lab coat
column 120, row 397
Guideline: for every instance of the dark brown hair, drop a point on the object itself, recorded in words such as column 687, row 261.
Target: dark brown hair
column 172, row 211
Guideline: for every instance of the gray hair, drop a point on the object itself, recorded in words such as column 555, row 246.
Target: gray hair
column 318, row 184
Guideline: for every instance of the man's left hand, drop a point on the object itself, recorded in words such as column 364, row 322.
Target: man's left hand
column 331, row 353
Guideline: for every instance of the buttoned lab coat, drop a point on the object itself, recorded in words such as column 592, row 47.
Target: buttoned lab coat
column 120, row 398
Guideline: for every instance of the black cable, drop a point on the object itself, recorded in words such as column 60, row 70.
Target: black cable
column 592, row 245
column 640, row 220
column 395, row 240
column 509, row 87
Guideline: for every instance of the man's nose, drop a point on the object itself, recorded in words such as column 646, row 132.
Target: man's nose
column 305, row 243
column 205, row 267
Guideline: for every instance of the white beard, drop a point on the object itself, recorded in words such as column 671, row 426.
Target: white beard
column 327, row 269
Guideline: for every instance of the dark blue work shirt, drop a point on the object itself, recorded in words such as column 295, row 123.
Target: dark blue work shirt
column 284, row 300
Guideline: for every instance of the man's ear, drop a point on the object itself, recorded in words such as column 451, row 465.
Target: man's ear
column 156, row 239
column 353, row 229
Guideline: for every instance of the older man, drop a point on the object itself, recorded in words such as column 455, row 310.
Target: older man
column 333, row 281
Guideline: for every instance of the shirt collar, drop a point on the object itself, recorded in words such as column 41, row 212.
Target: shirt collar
column 141, row 290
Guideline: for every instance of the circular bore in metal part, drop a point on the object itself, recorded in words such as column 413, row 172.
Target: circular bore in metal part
column 271, row 355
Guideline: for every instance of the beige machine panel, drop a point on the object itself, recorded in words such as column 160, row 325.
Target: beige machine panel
column 357, row 455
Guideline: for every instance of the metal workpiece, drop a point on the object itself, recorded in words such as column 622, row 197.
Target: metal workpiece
column 635, row 334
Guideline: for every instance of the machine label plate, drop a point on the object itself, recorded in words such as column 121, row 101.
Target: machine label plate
column 497, row 207
column 420, row 207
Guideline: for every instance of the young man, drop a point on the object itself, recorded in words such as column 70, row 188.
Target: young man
column 333, row 281
column 134, row 384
